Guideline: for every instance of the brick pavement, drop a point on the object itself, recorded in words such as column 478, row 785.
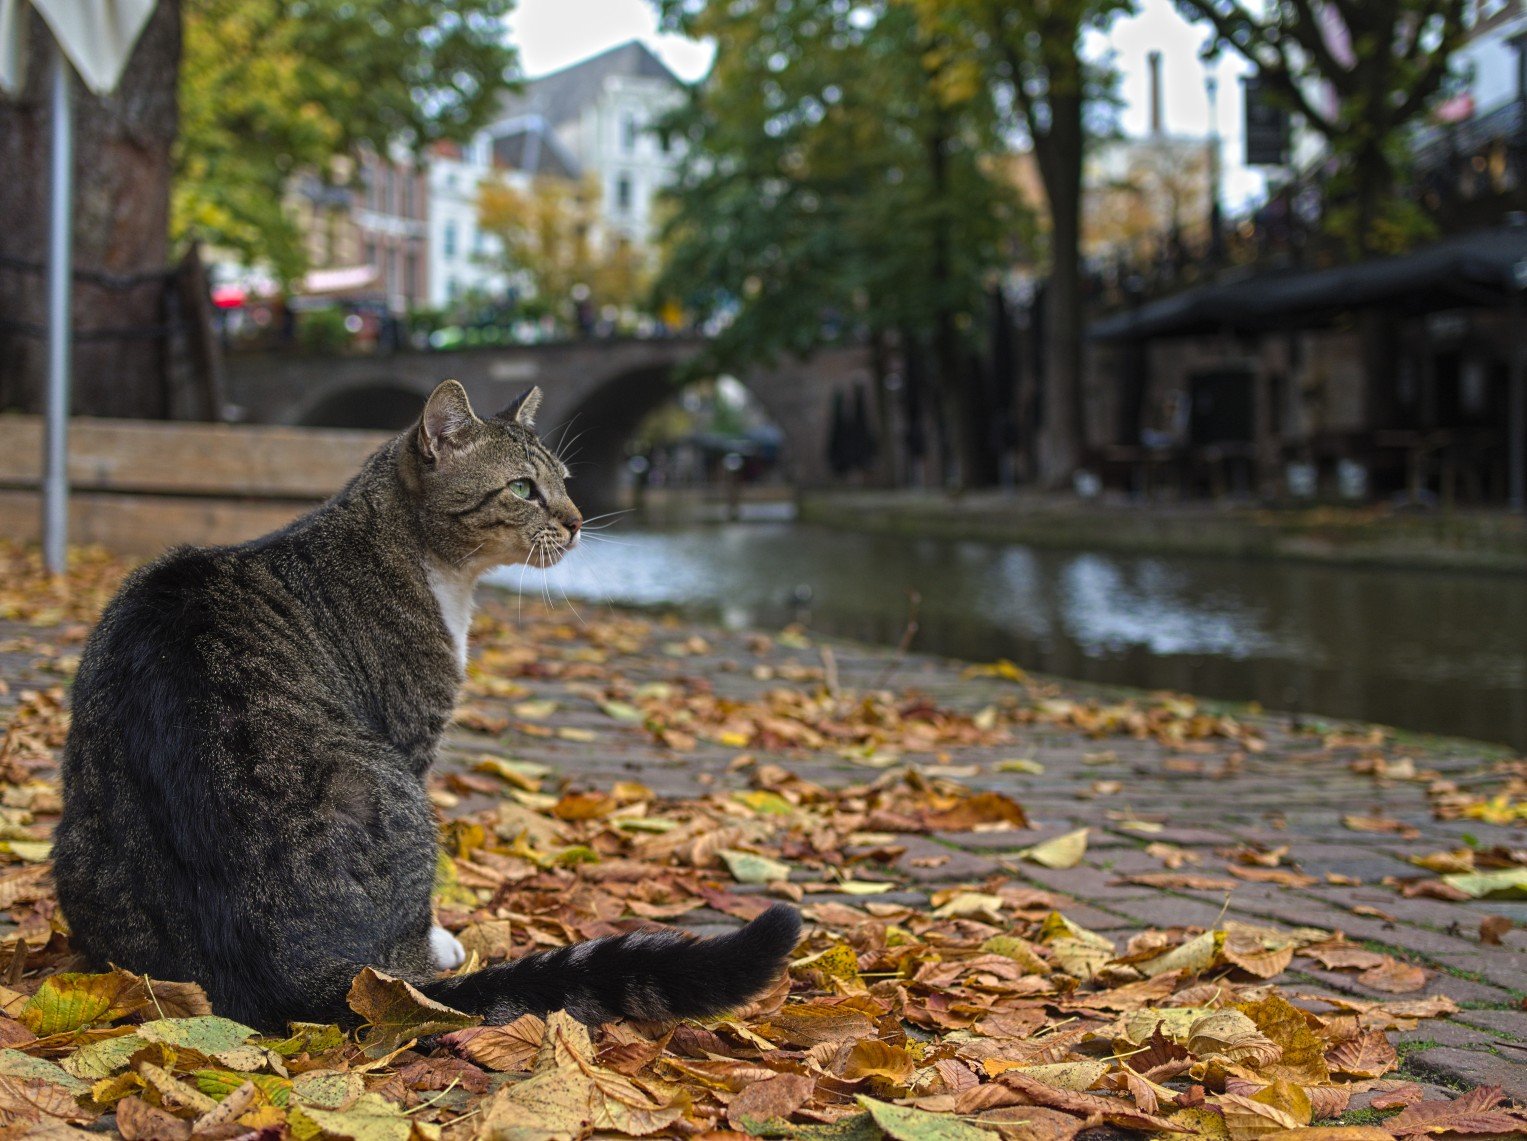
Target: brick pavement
column 1294, row 793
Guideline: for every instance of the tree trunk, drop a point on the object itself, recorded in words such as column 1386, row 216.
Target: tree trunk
column 121, row 228
column 1060, row 439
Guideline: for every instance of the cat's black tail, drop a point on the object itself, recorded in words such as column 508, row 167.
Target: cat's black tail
column 653, row 975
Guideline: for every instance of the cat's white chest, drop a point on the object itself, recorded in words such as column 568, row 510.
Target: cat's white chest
column 454, row 594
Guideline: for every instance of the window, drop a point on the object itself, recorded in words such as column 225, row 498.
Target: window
column 629, row 129
column 410, row 276
column 623, row 194
column 449, row 244
column 407, row 179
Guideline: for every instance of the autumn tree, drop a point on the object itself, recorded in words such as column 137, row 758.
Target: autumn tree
column 551, row 240
column 271, row 87
column 1031, row 56
column 226, row 99
column 1359, row 73
column 828, row 190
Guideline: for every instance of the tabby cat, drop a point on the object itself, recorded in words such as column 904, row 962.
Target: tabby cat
column 244, row 779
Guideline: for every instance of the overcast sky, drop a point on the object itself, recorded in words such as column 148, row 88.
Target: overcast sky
column 554, row 33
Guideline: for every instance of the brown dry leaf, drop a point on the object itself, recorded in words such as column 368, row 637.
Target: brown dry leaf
column 1403, row 1094
column 1031, row 1123
column 137, row 1120
column 1303, row 1057
column 36, row 1098
column 1230, row 1034
column 491, row 939
column 1331, row 1133
column 1257, row 951
column 1249, row 1120
column 1471, row 1112
column 506, row 1048
column 395, row 1012
column 1280, row 876
column 1381, row 824
column 1492, row 928
column 1369, row 1055
column 1181, row 881
column 1339, row 956
column 1446, row 863
column 976, row 810
column 1170, row 854
column 1394, row 977
column 884, row 1065
column 1076, row 1076
column 584, row 806
column 775, row 1099
column 808, row 1024
column 177, row 1000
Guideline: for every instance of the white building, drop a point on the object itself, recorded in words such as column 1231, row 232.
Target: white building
column 596, row 118
column 461, row 256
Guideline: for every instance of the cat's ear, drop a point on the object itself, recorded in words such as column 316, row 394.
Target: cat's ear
column 522, row 409
column 448, row 420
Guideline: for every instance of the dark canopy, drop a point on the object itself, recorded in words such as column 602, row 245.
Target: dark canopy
column 1482, row 268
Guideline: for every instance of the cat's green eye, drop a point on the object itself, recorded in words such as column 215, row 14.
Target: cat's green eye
column 522, row 487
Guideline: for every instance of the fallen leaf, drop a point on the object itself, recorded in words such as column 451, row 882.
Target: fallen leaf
column 1369, row 1055
column 1470, row 1112
column 1394, row 977
column 396, row 1012
column 903, row 1123
column 749, row 867
column 773, row 1100
column 1492, row 928
column 1064, row 851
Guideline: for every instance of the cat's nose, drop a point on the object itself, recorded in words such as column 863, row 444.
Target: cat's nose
column 572, row 523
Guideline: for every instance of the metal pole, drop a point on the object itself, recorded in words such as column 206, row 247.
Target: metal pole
column 55, row 477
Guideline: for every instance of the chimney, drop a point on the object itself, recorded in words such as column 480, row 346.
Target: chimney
column 1154, row 59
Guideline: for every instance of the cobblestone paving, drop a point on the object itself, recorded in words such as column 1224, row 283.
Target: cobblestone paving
column 1203, row 798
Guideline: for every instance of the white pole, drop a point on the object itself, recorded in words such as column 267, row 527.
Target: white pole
column 55, row 479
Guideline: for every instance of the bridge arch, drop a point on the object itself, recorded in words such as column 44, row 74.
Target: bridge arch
column 382, row 403
column 606, row 386
column 601, row 418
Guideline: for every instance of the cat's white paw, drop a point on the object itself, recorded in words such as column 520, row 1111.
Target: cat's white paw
column 446, row 949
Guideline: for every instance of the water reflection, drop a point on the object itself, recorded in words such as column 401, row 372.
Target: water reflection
column 1431, row 651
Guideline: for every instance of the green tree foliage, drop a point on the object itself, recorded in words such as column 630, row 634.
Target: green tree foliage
column 828, row 187
column 1029, row 55
column 272, row 87
column 1381, row 65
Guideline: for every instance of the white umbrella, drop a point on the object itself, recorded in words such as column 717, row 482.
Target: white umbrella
column 96, row 37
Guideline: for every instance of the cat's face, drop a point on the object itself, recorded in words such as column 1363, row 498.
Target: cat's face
column 489, row 493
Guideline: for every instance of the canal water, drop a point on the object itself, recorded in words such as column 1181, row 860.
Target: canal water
column 1437, row 652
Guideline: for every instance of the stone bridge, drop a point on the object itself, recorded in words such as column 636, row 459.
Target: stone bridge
column 600, row 389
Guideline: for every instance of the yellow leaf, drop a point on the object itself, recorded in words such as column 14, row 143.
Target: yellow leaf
column 1062, row 852
column 749, row 867
column 1195, row 956
column 72, row 1001
column 1021, row 765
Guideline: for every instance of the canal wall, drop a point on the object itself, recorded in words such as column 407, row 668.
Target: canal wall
column 1451, row 540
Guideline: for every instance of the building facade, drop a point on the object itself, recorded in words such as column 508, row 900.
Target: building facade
column 597, row 118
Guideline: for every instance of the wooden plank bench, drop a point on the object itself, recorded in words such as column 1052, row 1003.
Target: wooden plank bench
column 140, row 486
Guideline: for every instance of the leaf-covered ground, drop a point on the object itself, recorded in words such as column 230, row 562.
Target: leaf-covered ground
column 1031, row 911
